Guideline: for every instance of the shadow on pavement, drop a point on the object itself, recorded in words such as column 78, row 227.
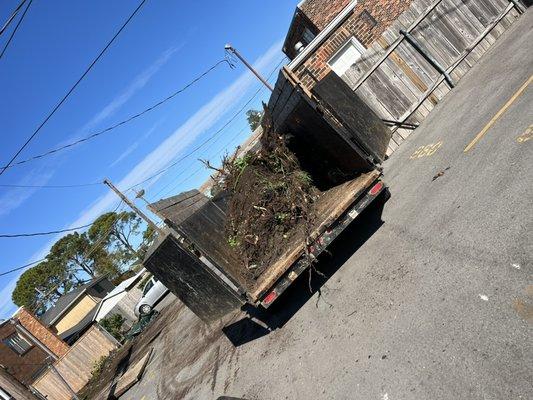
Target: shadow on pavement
column 260, row 322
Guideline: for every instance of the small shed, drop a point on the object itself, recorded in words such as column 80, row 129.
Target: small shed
column 122, row 300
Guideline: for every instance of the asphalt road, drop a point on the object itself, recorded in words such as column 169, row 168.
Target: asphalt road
column 429, row 297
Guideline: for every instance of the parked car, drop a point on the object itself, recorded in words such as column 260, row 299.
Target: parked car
column 153, row 293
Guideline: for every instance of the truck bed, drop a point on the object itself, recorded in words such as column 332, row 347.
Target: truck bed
column 330, row 206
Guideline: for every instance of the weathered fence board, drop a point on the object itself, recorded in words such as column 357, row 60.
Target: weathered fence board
column 397, row 87
column 76, row 365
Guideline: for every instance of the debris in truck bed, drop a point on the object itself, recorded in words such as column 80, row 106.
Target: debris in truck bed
column 270, row 200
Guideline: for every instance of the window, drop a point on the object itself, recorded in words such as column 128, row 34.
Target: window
column 17, row 343
column 99, row 288
column 307, row 36
column 148, row 286
column 346, row 56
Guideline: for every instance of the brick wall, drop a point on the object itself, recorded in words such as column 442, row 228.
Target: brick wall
column 322, row 12
column 41, row 332
column 23, row 367
column 369, row 19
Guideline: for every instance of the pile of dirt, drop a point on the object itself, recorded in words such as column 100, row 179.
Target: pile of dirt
column 270, row 200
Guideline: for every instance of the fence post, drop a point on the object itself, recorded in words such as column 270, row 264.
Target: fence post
column 429, row 58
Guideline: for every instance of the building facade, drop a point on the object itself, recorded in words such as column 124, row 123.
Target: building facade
column 19, row 354
column 347, row 27
column 74, row 312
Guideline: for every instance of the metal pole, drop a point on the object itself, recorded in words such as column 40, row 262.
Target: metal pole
column 134, row 207
column 231, row 49
column 429, row 58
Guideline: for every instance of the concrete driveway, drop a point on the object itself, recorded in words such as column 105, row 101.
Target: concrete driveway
column 428, row 297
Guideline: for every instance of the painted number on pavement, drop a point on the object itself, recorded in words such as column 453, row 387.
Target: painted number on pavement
column 426, row 151
column 527, row 135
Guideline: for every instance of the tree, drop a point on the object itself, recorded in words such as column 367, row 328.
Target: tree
column 76, row 257
column 254, row 118
column 77, row 253
column 148, row 238
column 115, row 231
column 42, row 284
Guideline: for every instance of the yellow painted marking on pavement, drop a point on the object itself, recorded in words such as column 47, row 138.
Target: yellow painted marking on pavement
column 426, row 151
column 527, row 135
column 499, row 114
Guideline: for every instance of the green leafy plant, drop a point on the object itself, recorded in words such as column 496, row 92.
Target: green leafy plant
column 113, row 324
column 98, row 367
column 233, row 241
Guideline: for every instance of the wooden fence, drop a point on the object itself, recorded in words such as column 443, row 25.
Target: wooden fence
column 402, row 85
column 76, row 366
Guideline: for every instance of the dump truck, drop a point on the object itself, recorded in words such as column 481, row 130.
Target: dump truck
column 330, row 127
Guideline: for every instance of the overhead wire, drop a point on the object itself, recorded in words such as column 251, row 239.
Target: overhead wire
column 157, row 173
column 53, row 186
column 175, row 185
column 12, row 16
column 15, row 29
column 17, row 235
column 44, row 259
column 123, row 122
column 22, row 267
column 71, row 90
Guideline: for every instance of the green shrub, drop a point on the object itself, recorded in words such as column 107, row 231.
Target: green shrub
column 113, row 324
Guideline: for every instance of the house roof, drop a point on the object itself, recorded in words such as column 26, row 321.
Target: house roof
column 322, row 12
column 64, row 302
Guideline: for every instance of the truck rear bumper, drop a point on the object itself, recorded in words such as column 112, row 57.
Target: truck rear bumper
column 322, row 242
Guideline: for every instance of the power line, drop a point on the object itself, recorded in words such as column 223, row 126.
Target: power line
column 22, row 267
column 209, row 138
column 53, row 186
column 87, row 254
column 16, row 27
column 12, row 16
column 16, row 235
column 87, row 70
column 125, row 121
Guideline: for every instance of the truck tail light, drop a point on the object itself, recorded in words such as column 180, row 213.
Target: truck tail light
column 376, row 188
column 270, row 297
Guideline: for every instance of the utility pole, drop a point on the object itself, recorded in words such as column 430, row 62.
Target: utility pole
column 231, row 49
column 134, row 207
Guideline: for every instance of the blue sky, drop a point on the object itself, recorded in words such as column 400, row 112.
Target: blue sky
column 165, row 46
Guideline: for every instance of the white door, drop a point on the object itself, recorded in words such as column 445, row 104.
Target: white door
column 346, row 56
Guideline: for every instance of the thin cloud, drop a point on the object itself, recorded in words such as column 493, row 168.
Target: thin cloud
column 134, row 146
column 7, row 308
column 137, row 84
column 13, row 198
